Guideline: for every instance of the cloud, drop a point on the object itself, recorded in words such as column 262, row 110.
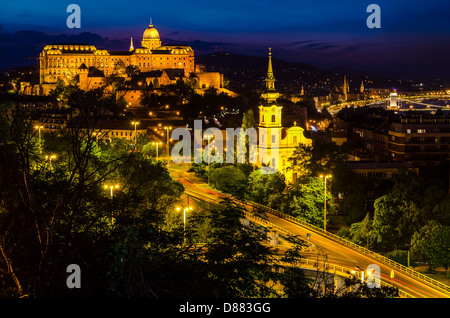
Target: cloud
column 173, row 33
column 319, row 46
column 298, row 43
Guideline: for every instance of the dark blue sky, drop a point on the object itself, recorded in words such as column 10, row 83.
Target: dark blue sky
column 414, row 35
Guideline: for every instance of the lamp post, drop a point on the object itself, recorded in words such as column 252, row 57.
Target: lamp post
column 50, row 158
column 208, row 137
column 156, row 143
column 39, row 129
column 167, row 143
column 96, row 142
column 189, row 208
column 135, row 123
column 111, row 187
column 325, row 201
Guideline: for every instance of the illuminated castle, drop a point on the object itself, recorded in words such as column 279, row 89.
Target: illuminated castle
column 65, row 61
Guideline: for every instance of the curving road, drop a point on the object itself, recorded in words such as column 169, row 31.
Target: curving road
column 337, row 253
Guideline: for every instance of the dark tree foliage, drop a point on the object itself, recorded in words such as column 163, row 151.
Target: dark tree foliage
column 127, row 242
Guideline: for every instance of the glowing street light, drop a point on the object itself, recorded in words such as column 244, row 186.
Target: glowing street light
column 167, row 143
column 39, row 128
column 50, row 158
column 135, row 123
column 325, row 201
column 156, row 144
column 111, row 187
column 208, row 137
column 96, row 141
column 184, row 214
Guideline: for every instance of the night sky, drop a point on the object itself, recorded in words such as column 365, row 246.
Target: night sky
column 414, row 35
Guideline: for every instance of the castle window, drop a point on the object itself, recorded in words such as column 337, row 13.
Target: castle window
column 295, row 140
column 273, row 118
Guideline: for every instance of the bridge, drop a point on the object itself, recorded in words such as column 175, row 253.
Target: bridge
column 393, row 103
column 343, row 257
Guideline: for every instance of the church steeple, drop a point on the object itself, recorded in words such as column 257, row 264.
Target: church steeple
column 271, row 94
column 345, row 89
column 131, row 45
column 269, row 111
column 270, row 79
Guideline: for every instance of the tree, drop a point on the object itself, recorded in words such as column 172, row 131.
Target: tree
column 318, row 158
column 361, row 232
column 54, row 216
column 238, row 259
column 351, row 189
column 248, row 120
column 229, row 179
column 431, row 243
column 404, row 210
column 306, row 201
column 266, row 188
column 115, row 81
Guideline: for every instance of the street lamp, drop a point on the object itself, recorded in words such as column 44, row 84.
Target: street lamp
column 156, row 143
column 135, row 123
column 167, row 143
column 325, row 201
column 208, row 137
column 96, row 141
column 111, row 187
column 50, row 158
column 39, row 128
column 184, row 214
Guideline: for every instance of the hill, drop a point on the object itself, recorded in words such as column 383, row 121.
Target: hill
column 249, row 72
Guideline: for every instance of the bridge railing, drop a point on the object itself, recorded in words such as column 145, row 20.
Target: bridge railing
column 353, row 245
column 423, row 278
column 341, row 271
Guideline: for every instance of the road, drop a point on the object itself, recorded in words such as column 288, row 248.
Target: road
column 336, row 252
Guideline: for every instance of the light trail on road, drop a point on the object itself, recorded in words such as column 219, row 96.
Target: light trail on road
column 336, row 251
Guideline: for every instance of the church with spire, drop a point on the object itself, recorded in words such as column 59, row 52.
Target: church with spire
column 276, row 143
column 65, row 61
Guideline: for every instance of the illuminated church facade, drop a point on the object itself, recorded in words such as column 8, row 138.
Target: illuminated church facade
column 274, row 138
column 65, row 61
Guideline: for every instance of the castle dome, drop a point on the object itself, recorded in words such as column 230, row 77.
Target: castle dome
column 151, row 33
